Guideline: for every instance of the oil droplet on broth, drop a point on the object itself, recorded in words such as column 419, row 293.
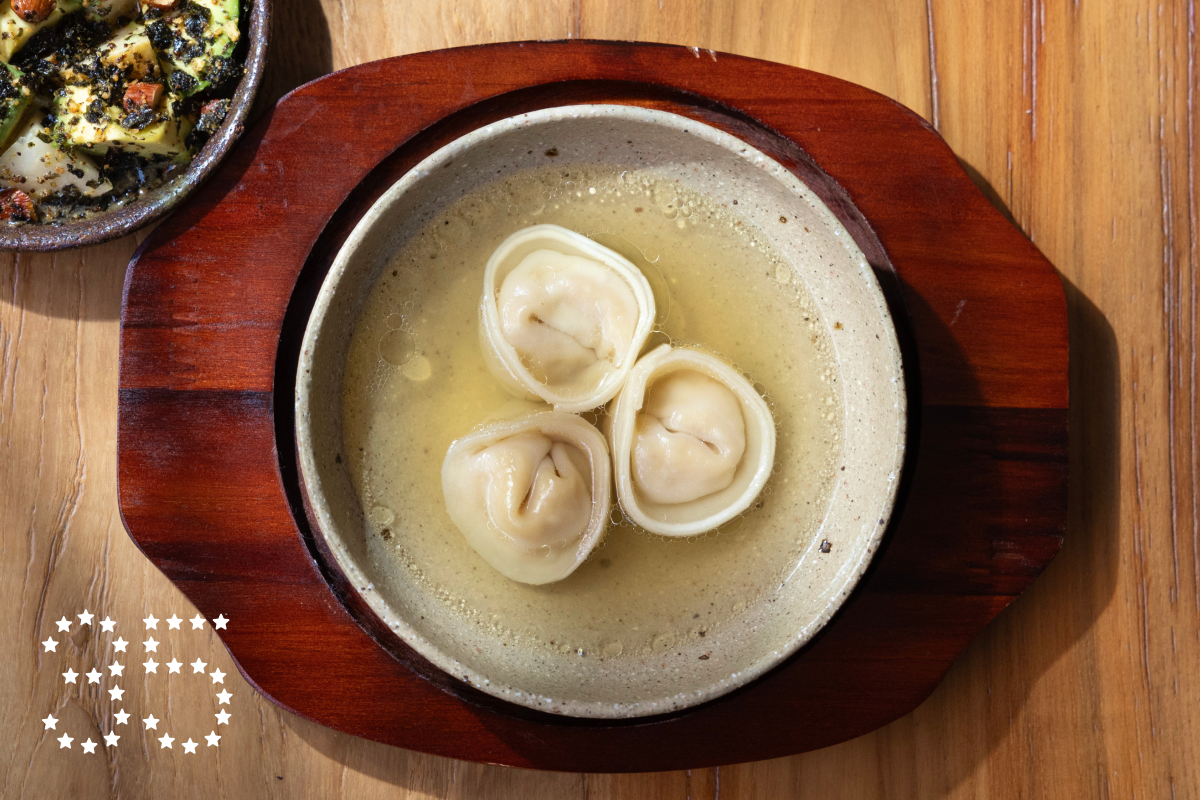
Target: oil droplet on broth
column 661, row 642
column 381, row 515
column 397, row 346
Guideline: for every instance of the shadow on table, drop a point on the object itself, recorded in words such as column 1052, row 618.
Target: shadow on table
column 301, row 51
column 1000, row 668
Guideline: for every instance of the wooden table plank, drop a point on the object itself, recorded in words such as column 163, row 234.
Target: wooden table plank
column 1080, row 119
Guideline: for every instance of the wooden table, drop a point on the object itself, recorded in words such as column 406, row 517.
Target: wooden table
column 1076, row 118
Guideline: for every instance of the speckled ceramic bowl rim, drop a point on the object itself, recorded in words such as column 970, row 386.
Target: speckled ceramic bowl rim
column 107, row 226
column 322, row 515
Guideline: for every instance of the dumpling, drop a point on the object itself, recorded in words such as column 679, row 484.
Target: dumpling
column 562, row 318
column 531, row 495
column 688, row 438
column 693, row 443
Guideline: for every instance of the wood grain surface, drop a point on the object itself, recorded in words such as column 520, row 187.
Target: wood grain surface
column 1076, row 118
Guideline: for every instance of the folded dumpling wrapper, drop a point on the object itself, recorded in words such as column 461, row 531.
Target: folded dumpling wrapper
column 562, row 318
column 693, row 443
column 531, row 495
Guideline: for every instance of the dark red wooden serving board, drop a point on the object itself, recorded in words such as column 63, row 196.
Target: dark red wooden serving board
column 216, row 300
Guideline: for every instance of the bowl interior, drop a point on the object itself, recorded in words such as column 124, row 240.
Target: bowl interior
column 822, row 257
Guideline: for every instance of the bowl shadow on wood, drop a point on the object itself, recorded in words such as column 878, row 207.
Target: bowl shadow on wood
column 1064, row 604
column 1061, row 606
column 301, row 51
column 1068, row 598
column 37, row 284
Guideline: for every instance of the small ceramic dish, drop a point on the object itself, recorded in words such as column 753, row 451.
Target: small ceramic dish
column 821, row 254
column 108, row 225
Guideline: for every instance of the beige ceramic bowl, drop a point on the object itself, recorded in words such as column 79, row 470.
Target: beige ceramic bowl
column 868, row 357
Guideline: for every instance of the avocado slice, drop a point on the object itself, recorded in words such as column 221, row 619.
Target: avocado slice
column 15, row 98
column 126, row 55
column 85, row 121
column 34, row 164
column 130, row 51
column 196, row 41
column 15, row 32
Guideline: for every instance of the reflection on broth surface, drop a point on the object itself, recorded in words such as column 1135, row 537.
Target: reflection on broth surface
column 416, row 380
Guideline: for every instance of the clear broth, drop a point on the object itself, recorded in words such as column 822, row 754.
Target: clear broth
column 416, row 380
